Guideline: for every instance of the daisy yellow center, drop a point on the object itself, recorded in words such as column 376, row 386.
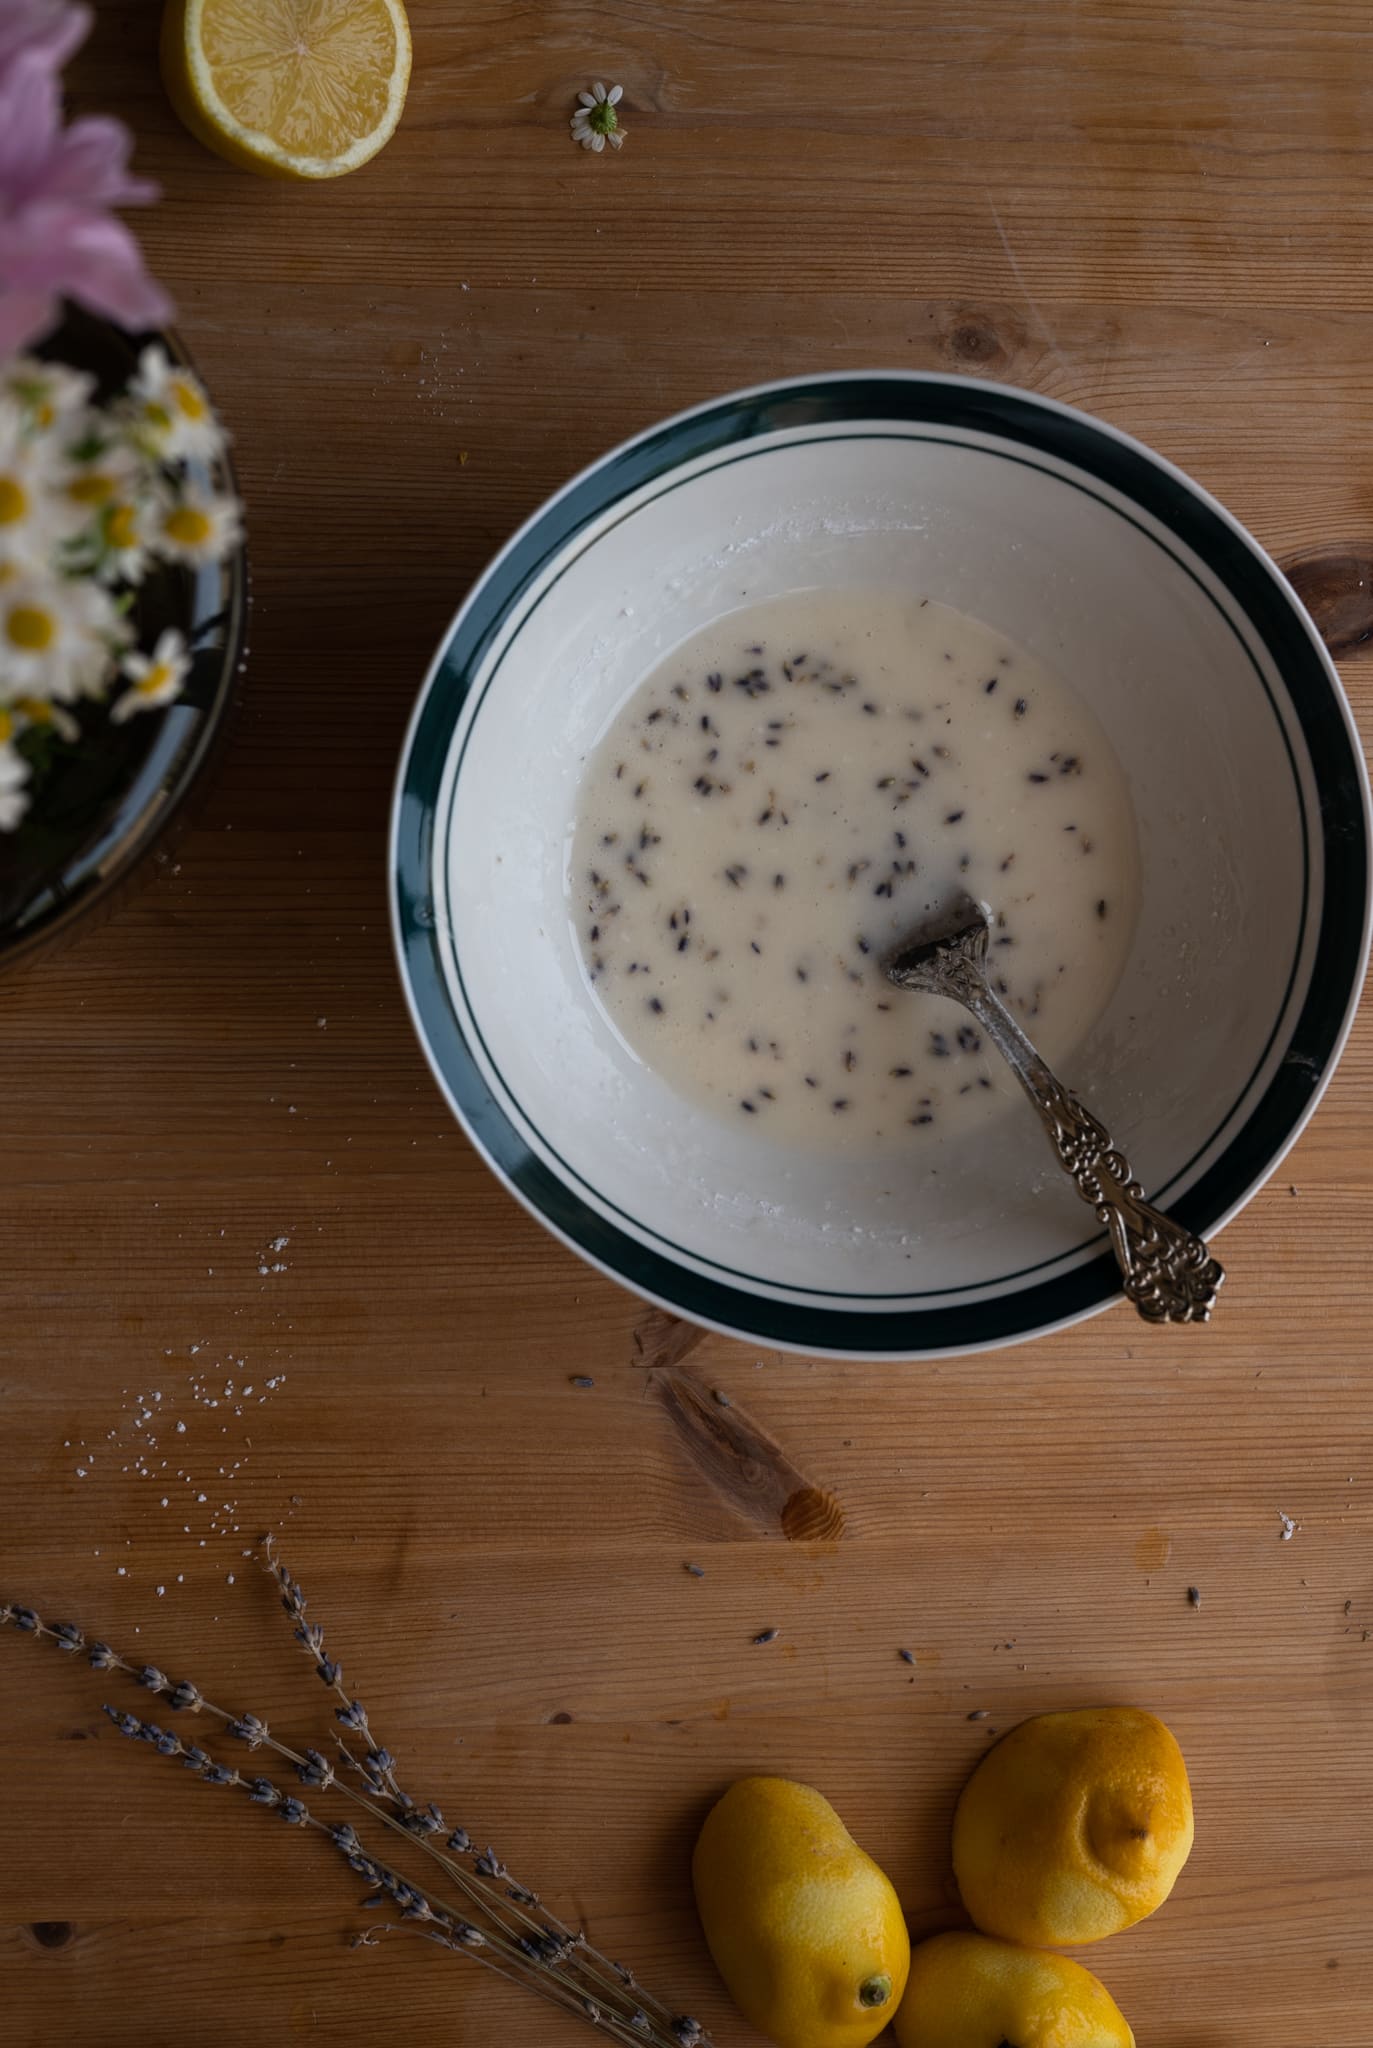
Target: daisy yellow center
column 121, row 528
column 14, row 501
column 188, row 400
column 156, row 415
column 45, row 412
column 187, row 526
column 35, row 710
column 92, row 488
column 6, row 728
column 157, row 678
column 30, row 628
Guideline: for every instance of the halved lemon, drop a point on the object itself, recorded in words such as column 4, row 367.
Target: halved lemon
column 288, row 88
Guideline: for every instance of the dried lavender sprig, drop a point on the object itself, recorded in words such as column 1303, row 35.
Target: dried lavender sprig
column 377, row 1768
column 685, row 2033
column 677, row 2031
column 410, row 1901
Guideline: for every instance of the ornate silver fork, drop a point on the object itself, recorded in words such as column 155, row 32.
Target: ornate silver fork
column 1169, row 1273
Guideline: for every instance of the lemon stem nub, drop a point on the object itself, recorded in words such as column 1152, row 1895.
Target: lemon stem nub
column 874, row 1991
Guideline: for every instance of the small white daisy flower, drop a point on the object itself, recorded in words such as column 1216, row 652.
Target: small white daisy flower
column 155, row 678
column 48, row 392
column 33, row 515
column 14, row 774
column 35, row 711
column 122, row 540
column 170, row 409
column 195, row 526
column 596, row 122
column 58, row 636
column 100, row 472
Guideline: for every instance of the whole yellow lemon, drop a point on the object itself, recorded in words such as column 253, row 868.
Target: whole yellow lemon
column 968, row 1991
column 805, row 1929
column 1074, row 1826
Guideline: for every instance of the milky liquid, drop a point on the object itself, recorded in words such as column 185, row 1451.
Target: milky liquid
column 786, row 797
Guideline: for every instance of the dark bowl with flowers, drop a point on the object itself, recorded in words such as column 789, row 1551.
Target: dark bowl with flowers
column 102, row 791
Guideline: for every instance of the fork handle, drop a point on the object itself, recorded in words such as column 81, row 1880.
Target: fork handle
column 1169, row 1273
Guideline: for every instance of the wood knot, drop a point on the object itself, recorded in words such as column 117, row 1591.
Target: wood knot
column 52, row 1933
column 977, row 337
column 1335, row 583
column 561, row 1718
column 972, row 343
column 747, row 1467
column 812, row 1516
column 661, row 1340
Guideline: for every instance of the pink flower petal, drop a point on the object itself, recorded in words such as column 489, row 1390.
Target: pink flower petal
column 30, row 124
column 50, row 28
column 89, row 165
column 25, row 317
column 104, row 271
column 54, row 248
column 57, row 238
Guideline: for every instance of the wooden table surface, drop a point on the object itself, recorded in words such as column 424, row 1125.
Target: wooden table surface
column 1154, row 209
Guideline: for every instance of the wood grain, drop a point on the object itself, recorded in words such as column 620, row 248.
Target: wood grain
column 1157, row 210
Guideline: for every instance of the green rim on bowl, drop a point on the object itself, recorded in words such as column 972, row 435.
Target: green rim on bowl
column 583, row 1216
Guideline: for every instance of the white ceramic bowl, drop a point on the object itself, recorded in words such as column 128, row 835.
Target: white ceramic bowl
column 1096, row 556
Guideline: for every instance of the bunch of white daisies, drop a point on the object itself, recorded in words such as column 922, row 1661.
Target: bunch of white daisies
column 92, row 497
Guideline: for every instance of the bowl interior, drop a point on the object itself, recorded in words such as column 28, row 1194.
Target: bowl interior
column 1190, row 696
